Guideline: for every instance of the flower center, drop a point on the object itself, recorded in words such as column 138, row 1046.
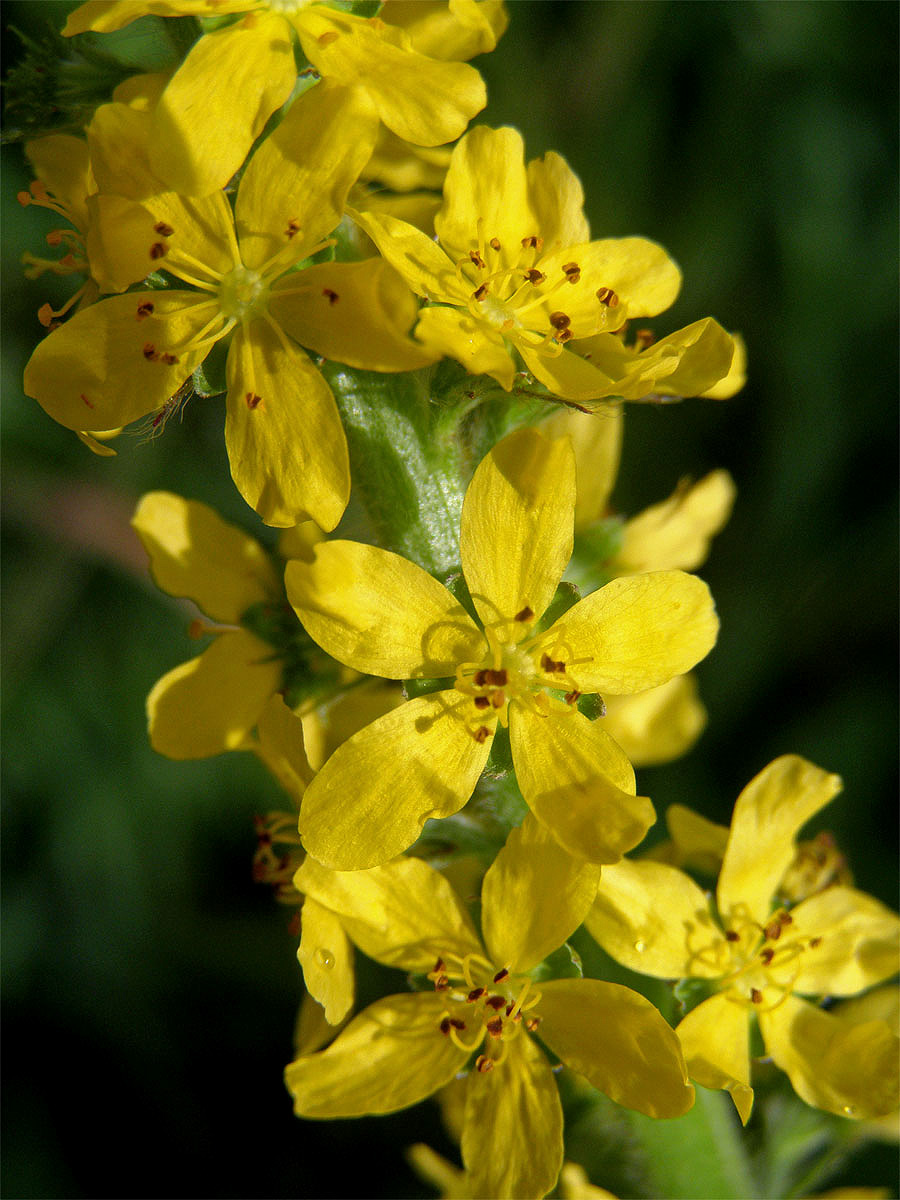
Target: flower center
column 517, row 667
column 243, row 294
column 765, row 967
column 483, row 1002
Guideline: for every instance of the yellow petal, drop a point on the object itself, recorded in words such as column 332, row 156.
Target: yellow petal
column 574, row 1184
column 474, row 344
column 737, row 373
column 119, row 140
column 658, row 725
column 96, row 445
column 856, row 943
column 202, row 227
column 534, row 895
column 618, row 1041
column 311, row 1030
column 280, row 746
column 286, row 444
column 557, row 199
column 404, row 914
column 446, row 1179
column 578, row 783
column 63, row 164
column 295, row 186
column 567, row 375
column 324, row 731
column 636, row 633
column 239, row 76
column 424, row 266
column 210, row 703
column 644, row 278
column 675, row 534
column 355, row 313
column 512, row 1141
column 117, row 239
column 715, row 1040
column 654, row 919
column 597, row 442
column 516, row 531
column 372, row 797
column 403, row 167
column 685, row 363
column 696, row 841
column 848, row 1069
column 96, row 370
column 455, row 31
column 421, row 99
column 326, row 956
column 767, row 815
column 194, row 553
column 105, row 16
column 390, row 1056
column 380, row 613
column 486, row 196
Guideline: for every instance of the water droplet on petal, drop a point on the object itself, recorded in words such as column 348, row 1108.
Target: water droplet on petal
column 325, row 958
column 640, row 947
column 849, row 1110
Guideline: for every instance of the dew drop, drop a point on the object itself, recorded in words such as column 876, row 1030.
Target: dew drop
column 640, row 947
column 849, row 1110
column 325, row 958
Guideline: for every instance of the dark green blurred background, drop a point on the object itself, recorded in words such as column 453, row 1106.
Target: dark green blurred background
column 150, row 987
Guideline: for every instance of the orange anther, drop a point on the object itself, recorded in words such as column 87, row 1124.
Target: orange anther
column 325, row 39
column 559, row 320
column 163, row 229
column 144, row 310
column 252, row 400
column 333, row 297
column 483, row 1064
column 480, row 292
column 608, row 297
column 524, row 614
column 45, row 315
column 481, row 734
column 535, row 276
column 158, row 250
column 494, row 243
column 477, row 259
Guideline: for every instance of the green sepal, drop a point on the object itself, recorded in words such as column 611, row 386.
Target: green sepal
column 690, row 992
column 563, row 963
column 209, row 378
column 595, row 549
column 565, row 596
column 499, row 763
column 592, row 707
column 413, row 688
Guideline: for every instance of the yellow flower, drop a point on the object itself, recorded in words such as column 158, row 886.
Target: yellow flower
column 124, row 357
column 453, row 1183
column 662, row 723
column 382, row 615
column 210, row 703
column 485, row 1002
column 515, row 270
column 761, row 963
column 237, row 76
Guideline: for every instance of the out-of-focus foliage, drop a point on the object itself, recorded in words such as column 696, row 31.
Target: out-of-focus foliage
column 150, row 987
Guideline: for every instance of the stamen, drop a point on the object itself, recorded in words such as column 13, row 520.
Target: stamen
column 333, row 297
column 608, row 297
column 480, row 292
column 502, row 974
column 163, row 229
column 534, row 276
column 526, row 614
column 476, row 259
column 253, row 400
column 483, row 1064
column 144, row 310
column 494, row 243
column 572, row 272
